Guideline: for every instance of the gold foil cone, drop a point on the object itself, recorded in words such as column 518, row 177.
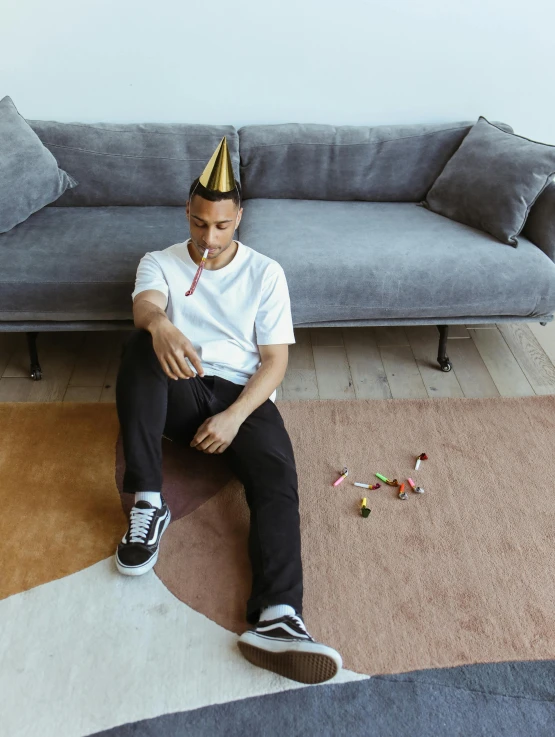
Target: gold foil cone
column 218, row 173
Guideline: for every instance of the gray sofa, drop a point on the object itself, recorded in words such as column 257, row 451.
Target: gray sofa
column 336, row 206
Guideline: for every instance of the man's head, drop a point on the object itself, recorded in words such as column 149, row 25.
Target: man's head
column 213, row 217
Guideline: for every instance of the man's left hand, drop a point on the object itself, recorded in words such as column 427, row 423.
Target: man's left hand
column 216, row 433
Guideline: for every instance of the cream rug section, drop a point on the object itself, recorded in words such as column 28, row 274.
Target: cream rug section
column 96, row 649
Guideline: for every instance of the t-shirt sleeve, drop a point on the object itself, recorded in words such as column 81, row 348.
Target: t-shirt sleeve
column 273, row 322
column 149, row 276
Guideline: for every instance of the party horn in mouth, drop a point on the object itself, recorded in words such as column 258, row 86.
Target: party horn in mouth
column 199, row 272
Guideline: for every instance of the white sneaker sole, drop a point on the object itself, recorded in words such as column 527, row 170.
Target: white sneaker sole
column 140, row 570
column 306, row 662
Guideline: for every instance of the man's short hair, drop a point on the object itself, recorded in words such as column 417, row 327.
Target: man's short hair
column 208, row 194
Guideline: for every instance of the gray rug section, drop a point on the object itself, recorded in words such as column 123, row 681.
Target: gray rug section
column 493, row 700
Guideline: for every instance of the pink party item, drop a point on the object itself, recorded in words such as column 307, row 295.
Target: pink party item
column 344, row 474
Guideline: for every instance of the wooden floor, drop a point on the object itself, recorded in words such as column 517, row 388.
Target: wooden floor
column 509, row 360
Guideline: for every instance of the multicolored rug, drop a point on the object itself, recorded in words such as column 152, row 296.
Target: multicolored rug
column 442, row 605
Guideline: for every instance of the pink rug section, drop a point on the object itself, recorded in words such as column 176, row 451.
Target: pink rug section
column 461, row 574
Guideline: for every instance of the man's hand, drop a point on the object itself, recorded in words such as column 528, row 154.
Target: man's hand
column 171, row 348
column 217, row 432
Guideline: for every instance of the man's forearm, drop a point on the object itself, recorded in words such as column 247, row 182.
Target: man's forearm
column 257, row 390
column 148, row 316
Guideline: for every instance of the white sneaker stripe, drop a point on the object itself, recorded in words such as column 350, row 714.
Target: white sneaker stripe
column 158, row 523
column 280, row 625
column 281, row 639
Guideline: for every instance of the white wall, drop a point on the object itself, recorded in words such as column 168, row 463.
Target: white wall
column 346, row 62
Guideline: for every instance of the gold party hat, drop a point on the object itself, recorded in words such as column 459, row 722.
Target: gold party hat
column 218, row 173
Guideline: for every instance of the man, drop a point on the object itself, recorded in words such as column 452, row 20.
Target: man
column 205, row 373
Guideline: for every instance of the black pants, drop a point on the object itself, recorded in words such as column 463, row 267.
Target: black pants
column 150, row 404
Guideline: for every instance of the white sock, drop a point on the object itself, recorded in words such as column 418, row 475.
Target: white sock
column 275, row 612
column 154, row 497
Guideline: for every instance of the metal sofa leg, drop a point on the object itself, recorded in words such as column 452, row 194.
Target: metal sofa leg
column 36, row 371
column 442, row 358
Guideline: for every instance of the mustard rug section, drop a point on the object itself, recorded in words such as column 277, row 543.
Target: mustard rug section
column 461, row 574
column 61, row 510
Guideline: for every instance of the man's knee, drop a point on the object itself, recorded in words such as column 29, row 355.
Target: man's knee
column 139, row 339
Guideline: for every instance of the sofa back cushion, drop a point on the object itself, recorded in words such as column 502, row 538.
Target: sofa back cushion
column 133, row 164
column 29, row 175
column 385, row 163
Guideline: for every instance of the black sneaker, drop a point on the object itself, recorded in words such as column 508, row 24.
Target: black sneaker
column 138, row 550
column 284, row 646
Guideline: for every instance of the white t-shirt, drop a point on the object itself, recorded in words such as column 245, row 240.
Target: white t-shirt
column 232, row 311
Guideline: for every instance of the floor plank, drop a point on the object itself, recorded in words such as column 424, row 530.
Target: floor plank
column 424, row 341
column 470, row 370
column 300, row 381
column 300, row 352
column 390, row 336
column 365, row 362
column 332, row 372
column 82, row 394
column 57, row 356
column 503, row 367
column 326, row 337
column 531, row 357
column 8, row 345
column 18, row 363
column 108, row 392
column 15, row 390
column 300, row 384
column 545, row 335
column 512, row 359
column 457, row 331
column 405, row 381
column 483, row 326
column 93, row 359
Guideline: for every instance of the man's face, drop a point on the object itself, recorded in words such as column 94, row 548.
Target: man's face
column 212, row 224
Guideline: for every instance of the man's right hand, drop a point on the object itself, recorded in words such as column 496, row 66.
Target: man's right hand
column 171, row 347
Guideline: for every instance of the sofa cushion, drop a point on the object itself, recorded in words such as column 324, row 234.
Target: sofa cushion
column 79, row 263
column 29, row 174
column 384, row 163
column 354, row 261
column 492, row 181
column 133, row 164
column 67, row 264
column 540, row 224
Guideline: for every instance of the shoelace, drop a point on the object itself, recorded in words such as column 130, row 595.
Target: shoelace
column 139, row 524
column 300, row 622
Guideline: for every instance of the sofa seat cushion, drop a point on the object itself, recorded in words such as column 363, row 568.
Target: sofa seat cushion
column 385, row 260
column 79, row 263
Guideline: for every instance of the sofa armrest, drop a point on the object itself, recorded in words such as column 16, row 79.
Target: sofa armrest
column 540, row 224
